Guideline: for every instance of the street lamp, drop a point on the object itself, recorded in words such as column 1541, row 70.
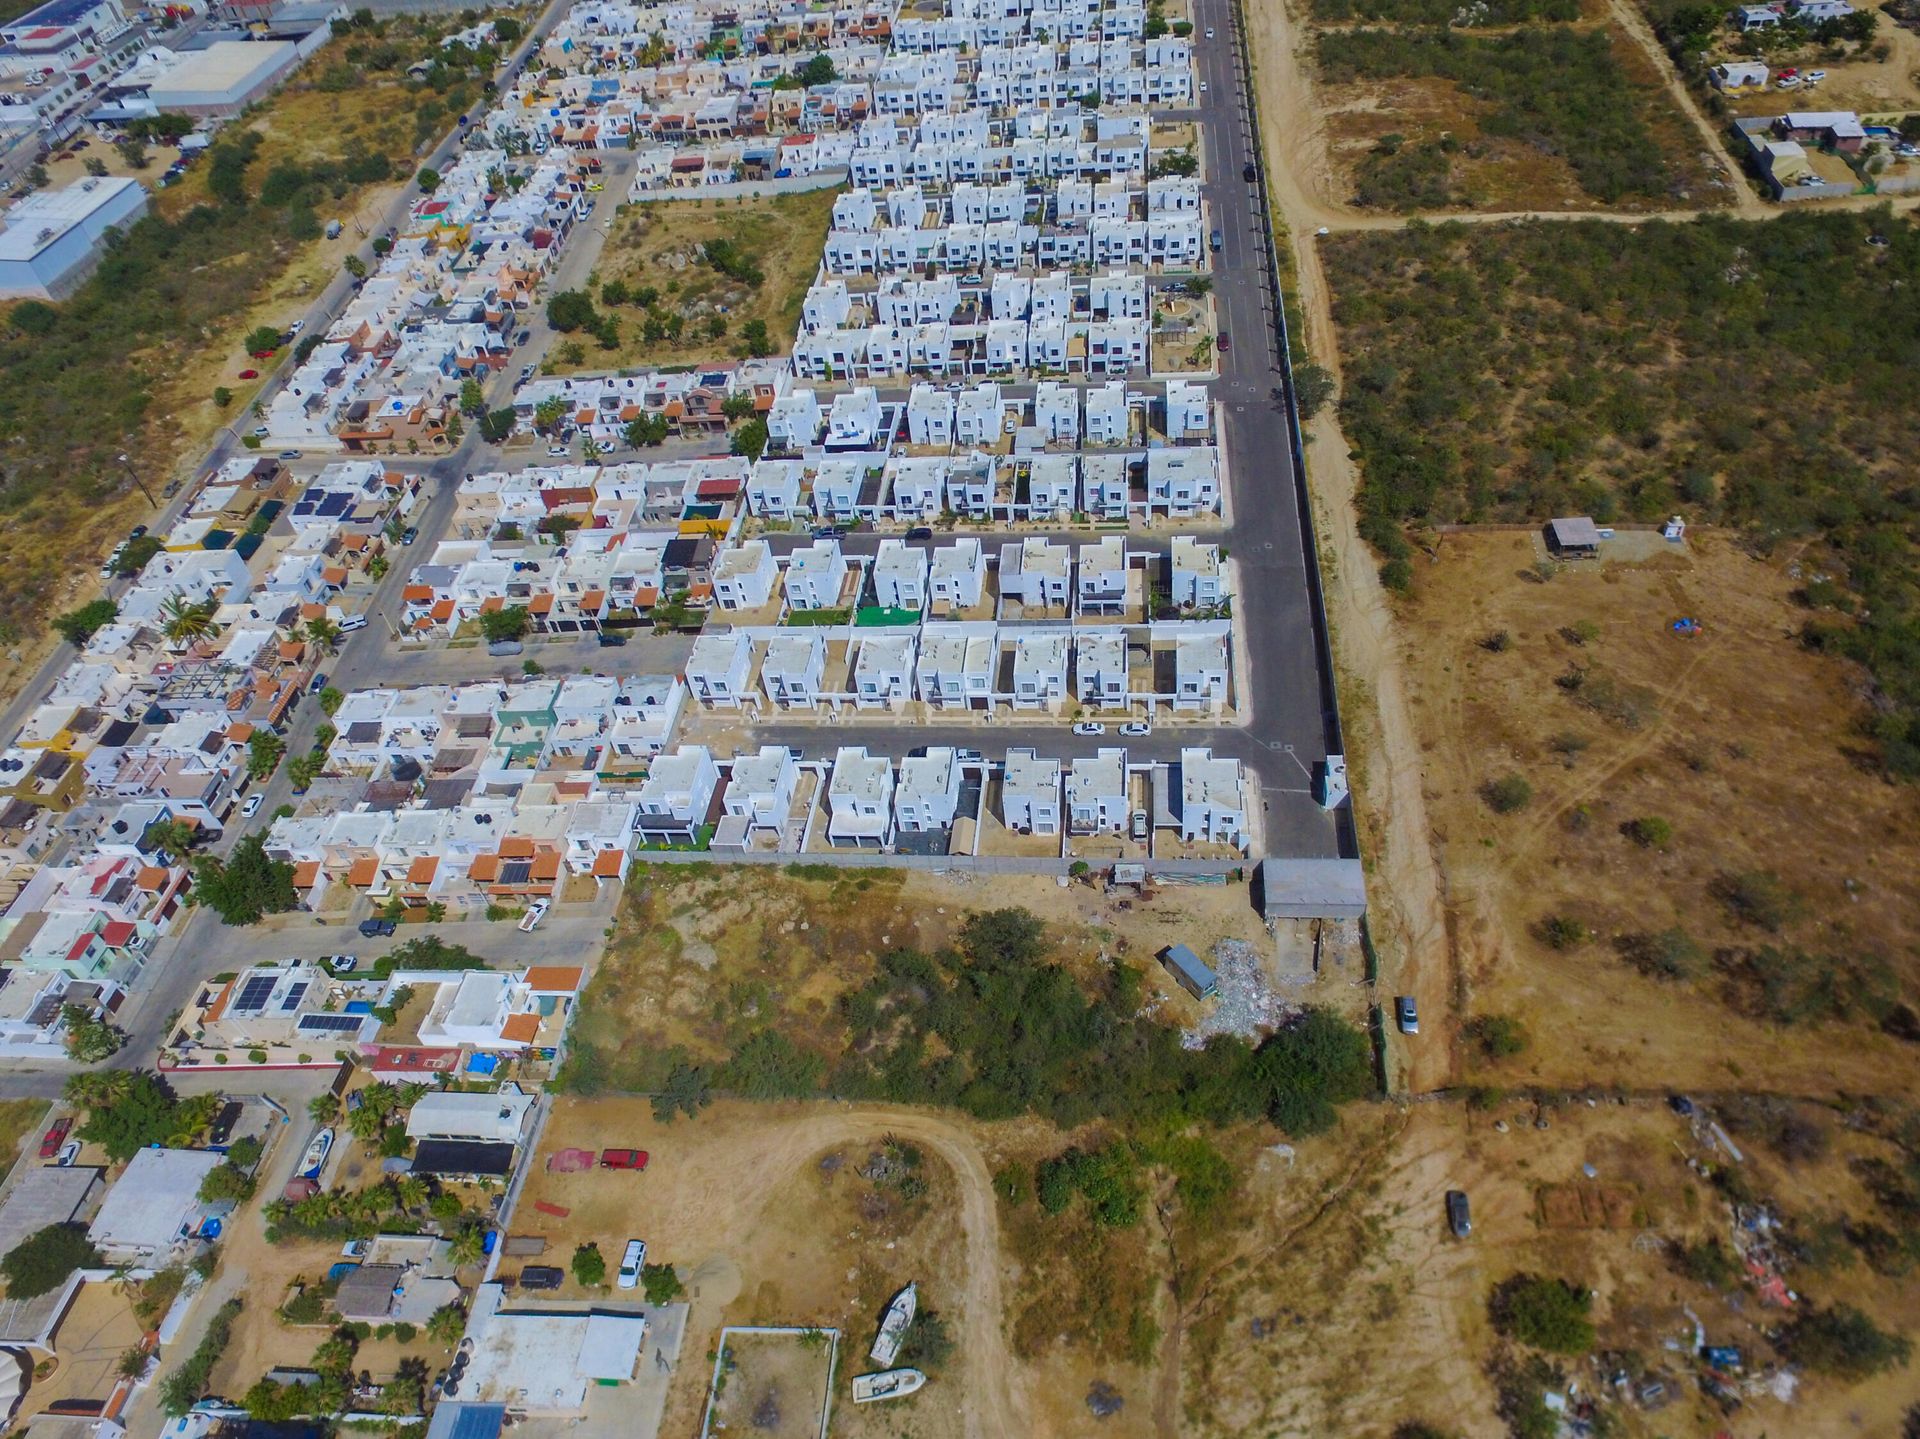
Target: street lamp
column 134, row 475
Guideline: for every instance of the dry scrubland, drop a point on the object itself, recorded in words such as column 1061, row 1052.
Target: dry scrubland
column 214, row 259
column 657, row 259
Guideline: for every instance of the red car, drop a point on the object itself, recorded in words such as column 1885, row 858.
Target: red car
column 55, row 1137
column 249, row 374
column 623, row 1159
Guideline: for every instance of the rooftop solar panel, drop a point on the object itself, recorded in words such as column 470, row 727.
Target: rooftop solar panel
column 293, row 997
column 255, row 993
column 329, row 1023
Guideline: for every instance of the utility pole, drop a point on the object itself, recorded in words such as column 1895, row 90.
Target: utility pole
column 134, row 475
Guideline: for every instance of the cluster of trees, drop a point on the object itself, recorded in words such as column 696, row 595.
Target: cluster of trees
column 1447, row 12
column 818, row 70
column 233, row 1180
column 40, row 1263
column 1396, row 175
column 1528, row 371
column 995, row 1028
column 1556, row 88
column 90, row 1038
column 246, row 886
column 187, row 1384
column 128, row 1110
column 426, row 952
column 270, row 1402
column 77, row 626
column 1545, row 1313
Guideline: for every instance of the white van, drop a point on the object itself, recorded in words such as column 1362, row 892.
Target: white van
column 352, row 623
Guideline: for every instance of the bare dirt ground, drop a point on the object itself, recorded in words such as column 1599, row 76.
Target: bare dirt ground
column 773, row 1384
column 1746, row 756
column 840, row 1248
column 98, row 1330
column 1875, row 88
column 20, row 1125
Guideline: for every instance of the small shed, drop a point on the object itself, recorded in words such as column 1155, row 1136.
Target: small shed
column 1189, row 971
column 1575, row 537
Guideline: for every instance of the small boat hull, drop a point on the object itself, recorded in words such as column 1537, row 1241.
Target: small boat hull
column 890, row 1384
column 893, row 1327
column 316, row 1156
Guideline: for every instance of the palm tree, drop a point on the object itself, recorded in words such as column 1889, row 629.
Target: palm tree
column 466, row 1246
column 411, row 1190
column 98, row 1088
column 323, row 633
column 324, row 1108
column 183, row 621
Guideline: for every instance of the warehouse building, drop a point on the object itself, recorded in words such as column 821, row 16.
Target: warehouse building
column 52, row 240
column 224, row 78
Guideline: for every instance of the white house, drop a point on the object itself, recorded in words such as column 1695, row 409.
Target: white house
column 1103, row 576
column 1036, row 572
column 1056, row 412
column 1188, row 412
column 743, row 576
column 717, row 668
column 860, row 800
column 1184, row 482
column 761, row 787
column 1200, row 671
column 1212, row 802
column 1106, row 413
column 1097, row 794
column 929, row 416
column 1100, row 667
column 883, row 669
column 773, row 488
column 499, row 1118
column 792, row 668
column 795, row 421
column 956, row 576
column 1030, row 793
column 977, row 417
column 854, row 422
column 900, row 575
column 1040, row 669
column 1199, row 576
column 955, row 668
column 677, row 794
column 928, row 796
column 816, row 575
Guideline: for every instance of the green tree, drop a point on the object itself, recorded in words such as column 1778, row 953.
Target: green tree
column 246, row 886
column 661, row 1283
column 133, row 152
column 571, row 310
column 647, row 431
column 172, row 839
column 330, row 701
column 139, row 1110
column 754, row 338
column 1497, row 1036
column 1312, row 388
column 1650, row 832
column 323, row 633
column 262, row 340
column 497, row 425
column 264, row 751
column 1841, row 1341
column 41, row 1262
column 447, row 1324
column 185, row 621
column 429, row 180
column 137, row 553
column 589, row 1266
column 222, row 397
column 76, row 627
column 226, row 1183
column 473, row 399
column 685, row 1091
column 1548, row 1314
column 355, row 266
column 1508, row 794
column 90, row 1038
column 1307, row 1069
column 750, row 439
column 95, row 166
column 504, row 624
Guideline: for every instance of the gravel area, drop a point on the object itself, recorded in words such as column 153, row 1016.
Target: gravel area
column 1244, row 1003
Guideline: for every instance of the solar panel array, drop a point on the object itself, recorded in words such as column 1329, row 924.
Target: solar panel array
column 255, row 992
column 293, row 997
column 330, row 1023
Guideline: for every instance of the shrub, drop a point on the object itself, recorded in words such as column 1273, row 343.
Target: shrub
column 40, row 1263
column 1497, row 1036
column 1758, row 897
column 1548, row 1314
column 661, row 1283
column 1563, row 932
column 1708, row 1262
column 1843, row 1342
column 1666, row 954
column 1508, row 794
column 1496, row 643
column 589, row 1266
column 1649, row 832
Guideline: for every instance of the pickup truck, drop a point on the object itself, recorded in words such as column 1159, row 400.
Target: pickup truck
column 536, row 912
column 623, row 1159
column 541, row 1276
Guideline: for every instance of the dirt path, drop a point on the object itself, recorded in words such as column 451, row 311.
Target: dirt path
column 1746, row 203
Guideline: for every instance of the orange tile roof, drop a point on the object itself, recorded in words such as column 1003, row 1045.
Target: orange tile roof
column 485, row 868
column 630, row 412
column 606, row 864
column 520, row 1028
column 219, row 1005
column 305, row 873
column 351, row 543
column 555, row 978
column 417, row 594
column 423, row 869
column 541, row 603
column 152, row 877
column 311, row 611
column 516, row 846
column 363, row 871
column 492, row 603
column 240, row 731
column 647, row 595
column 334, row 574
column 442, row 610
column 546, row 865
column 593, row 599
column 701, row 591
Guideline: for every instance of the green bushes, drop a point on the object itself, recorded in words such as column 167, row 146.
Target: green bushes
column 1558, row 89
column 1509, row 794
column 1842, row 1341
column 1523, row 371
column 41, row 1262
column 187, row 1384
column 1548, row 1314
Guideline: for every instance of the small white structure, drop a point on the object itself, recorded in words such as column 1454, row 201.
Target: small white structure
column 155, row 1205
column 1036, row 572
column 928, row 795
column 1199, row 576
column 743, row 576
column 1212, row 800
column 957, row 575
column 762, row 786
column 816, row 575
column 883, row 669
column 1097, row 793
column 717, row 668
column 1040, row 669
column 794, row 665
column 860, row 800
column 1030, row 793
column 900, row 576
column 1100, row 667
column 929, row 416
column 1103, row 576
column 677, row 794
column 1199, row 672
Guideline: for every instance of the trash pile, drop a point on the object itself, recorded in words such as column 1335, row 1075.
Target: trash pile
column 1243, row 1002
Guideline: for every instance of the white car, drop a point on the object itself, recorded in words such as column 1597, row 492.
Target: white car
column 1203, row 87
column 1139, row 729
column 631, row 1263
column 536, row 912
column 343, row 963
column 558, row 450
column 69, row 1152
column 1209, row 32
column 252, row 806
column 1089, row 727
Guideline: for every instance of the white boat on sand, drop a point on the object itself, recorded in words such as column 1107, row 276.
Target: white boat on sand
column 316, row 1155
column 890, row 1384
column 893, row 1328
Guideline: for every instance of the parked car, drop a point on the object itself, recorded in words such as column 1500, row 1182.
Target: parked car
column 377, row 928
column 623, row 1159
column 827, row 532
column 523, row 337
column 969, row 756
column 317, row 683
column 1249, row 173
column 526, row 373
column 343, row 963
column 541, row 1276
column 1406, row 1015
column 1814, row 77
column 1137, row 824
column 557, row 451
column 221, row 1130
column 1459, row 1214
column 69, row 1152
column 631, row 1261
column 499, row 649
column 920, row 535
column 608, row 640
column 1209, row 32
column 1224, row 342
column 1217, row 238
column 1089, row 727
column 1203, row 87
column 252, row 806
column 290, row 454
column 409, row 534
column 536, row 912
column 51, row 1141
column 1136, row 729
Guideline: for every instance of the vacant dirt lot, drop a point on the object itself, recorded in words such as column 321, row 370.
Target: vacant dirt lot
column 1738, row 740
column 20, row 1130
column 773, row 1384
column 661, row 246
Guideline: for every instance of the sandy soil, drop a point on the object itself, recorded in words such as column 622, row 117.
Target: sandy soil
column 22, row 1122
column 774, row 1384
column 839, row 1250
column 1748, row 759
column 98, row 1330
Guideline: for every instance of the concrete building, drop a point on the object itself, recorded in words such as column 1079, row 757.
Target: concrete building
column 224, row 78
column 1030, row 793
column 499, row 1118
column 860, row 800
column 1097, row 794
column 155, row 1205
column 52, row 239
